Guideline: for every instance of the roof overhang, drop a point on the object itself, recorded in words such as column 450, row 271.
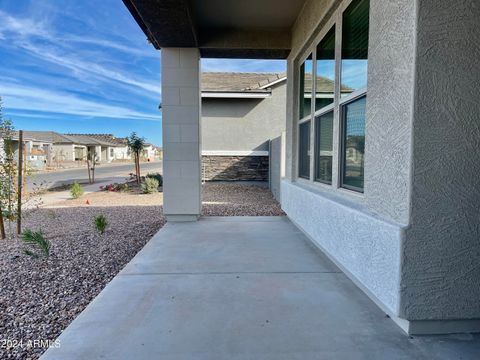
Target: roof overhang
column 258, row 29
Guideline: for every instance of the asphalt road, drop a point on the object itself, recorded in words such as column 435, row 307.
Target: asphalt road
column 107, row 172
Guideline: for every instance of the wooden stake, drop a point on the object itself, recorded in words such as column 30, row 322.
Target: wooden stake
column 2, row 226
column 25, row 190
column 20, row 182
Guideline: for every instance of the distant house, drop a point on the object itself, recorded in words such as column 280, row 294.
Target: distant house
column 149, row 152
column 241, row 114
column 65, row 148
column 117, row 149
column 37, row 150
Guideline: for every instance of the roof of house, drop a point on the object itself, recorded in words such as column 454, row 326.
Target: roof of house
column 102, row 138
column 41, row 136
column 324, row 84
column 239, row 81
column 78, row 139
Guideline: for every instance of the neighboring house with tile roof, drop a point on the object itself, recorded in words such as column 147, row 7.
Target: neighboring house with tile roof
column 37, row 149
column 241, row 114
column 70, row 148
column 117, row 148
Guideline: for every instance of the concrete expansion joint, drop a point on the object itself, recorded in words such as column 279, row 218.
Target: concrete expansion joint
column 233, row 273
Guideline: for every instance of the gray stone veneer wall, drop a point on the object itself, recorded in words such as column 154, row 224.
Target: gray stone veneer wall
column 235, row 168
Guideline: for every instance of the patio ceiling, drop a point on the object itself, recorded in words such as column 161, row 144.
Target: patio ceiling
column 220, row 28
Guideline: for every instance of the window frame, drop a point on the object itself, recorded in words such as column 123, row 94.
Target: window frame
column 304, row 119
column 336, row 21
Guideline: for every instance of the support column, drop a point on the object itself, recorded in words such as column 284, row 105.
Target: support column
column 181, row 133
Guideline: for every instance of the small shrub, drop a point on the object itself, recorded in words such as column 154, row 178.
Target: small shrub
column 121, row 187
column 36, row 241
column 101, row 223
column 150, row 186
column 156, row 176
column 76, row 190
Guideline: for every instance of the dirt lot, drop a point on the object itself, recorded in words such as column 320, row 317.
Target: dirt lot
column 40, row 297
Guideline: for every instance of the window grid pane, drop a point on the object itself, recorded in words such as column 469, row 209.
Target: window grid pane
column 355, row 47
column 354, row 144
column 306, row 89
column 324, row 147
column 304, row 150
column 325, row 79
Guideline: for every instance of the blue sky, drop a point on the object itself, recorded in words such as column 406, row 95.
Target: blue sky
column 85, row 66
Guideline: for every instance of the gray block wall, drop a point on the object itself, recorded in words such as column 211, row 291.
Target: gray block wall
column 243, row 124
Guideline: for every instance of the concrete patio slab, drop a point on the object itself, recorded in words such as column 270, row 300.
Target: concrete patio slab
column 240, row 288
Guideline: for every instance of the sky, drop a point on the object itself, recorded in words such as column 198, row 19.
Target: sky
column 85, row 67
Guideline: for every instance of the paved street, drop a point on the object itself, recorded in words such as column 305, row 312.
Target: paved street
column 103, row 173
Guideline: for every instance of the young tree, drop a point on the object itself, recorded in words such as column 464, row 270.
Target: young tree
column 8, row 171
column 136, row 144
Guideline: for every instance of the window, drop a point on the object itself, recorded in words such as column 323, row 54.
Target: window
column 325, row 81
column 305, row 101
column 353, row 144
column 354, row 47
column 304, row 150
column 339, row 92
column 324, row 147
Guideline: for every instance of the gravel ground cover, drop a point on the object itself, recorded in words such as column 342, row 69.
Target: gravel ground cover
column 220, row 199
column 40, row 297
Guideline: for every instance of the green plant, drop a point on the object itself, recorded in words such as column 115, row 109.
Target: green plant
column 76, row 190
column 101, row 223
column 150, row 186
column 36, row 240
column 156, row 176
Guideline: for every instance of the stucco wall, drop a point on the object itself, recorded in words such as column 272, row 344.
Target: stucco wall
column 366, row 246
column 441, row 270
column 243, row 124
column 389, row 108
column 121, row 153
column 363, row 232
column 421, row 160
column 275, row 169
column 63, row 153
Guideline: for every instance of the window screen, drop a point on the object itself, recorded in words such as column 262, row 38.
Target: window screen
column 304, row 150
column 324, row 147
column 354, row 144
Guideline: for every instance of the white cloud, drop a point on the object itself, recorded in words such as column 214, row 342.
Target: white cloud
column 36, row 99
column 39, row 40
column 22, row 27
column 81, row 67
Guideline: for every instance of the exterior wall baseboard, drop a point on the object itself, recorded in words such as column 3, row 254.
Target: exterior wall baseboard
column 437, row 327
column 181, row 218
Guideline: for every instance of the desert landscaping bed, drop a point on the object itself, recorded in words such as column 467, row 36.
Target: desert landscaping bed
column 41, row 296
